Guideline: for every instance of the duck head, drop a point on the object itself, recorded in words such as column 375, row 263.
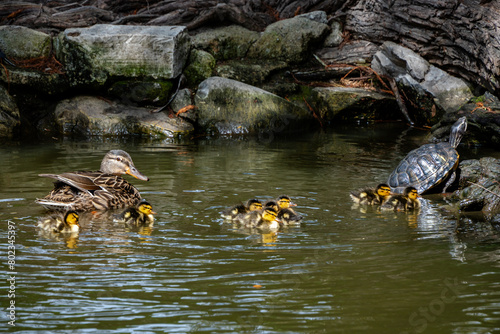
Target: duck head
column 118, row 162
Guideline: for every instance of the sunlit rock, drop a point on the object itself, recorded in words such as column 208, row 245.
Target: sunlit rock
column 351, row 103
column 231, row 107
column 9, row 114
column 88, row 116
column 92, row 55
column 435, row 91
column 289, row 40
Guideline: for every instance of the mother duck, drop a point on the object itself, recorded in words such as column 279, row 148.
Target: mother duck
column 101, row 190
column 429, row 165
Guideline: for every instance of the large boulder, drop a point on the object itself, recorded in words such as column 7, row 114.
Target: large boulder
column 9, row 114
column 435, row 91
column 88, row 116
column 289, row 40
column 92, row 55
column 231, row 107
column 24, row 43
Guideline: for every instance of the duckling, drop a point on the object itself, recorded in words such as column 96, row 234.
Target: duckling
column 285, row 202
column 234, row 211
column 59, row 223
column 253, row 204
column 265, row 218
column 288, row 216
column 142, row 214
column 371, row 196
column 272, row 204
column 406, row 201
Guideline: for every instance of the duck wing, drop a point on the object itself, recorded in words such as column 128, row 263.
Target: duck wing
column 83, row 181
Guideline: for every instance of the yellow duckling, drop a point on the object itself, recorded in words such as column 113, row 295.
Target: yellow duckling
column 371, row 196
column 285, row 202
column 265, row 219
column 142, row 214
column 59, row 223
column 272, row 204
column 407, row 201
column 253, row 205
column 288, row 216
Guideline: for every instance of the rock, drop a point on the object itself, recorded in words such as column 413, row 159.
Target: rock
column 335, row 102
column 201, row 66
column 479, row 186
column 10, row 118
column 318, row 16
column 24, row 43
column 289, row 40
column 141, row 92
column 334, row 38
column 231, row 107
column 25, row 81
column 225, row 43
column 90, row 116
column 183, row 99
column 92, row 55
column 252, row 72
column 435, row 91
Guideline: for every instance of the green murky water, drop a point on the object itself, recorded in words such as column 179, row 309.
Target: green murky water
column 342, row 271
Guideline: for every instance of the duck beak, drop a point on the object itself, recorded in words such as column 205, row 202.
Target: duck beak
column 135, row 173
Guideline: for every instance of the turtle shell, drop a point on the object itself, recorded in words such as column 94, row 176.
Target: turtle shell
column 424, row 167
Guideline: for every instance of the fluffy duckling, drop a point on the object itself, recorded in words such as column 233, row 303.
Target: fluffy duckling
column 142, row 214
column 253, row 205
column 266, row 218
column 371, row 196
column 234, row 211
column 285, row 202
column 59, row 223
column 407, row 201
column 272, row 204
column 288, row 216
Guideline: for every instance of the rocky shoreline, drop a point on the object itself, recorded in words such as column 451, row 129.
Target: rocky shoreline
column 297, row 74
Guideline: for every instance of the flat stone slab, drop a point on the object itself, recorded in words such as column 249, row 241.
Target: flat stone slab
column 104, row 50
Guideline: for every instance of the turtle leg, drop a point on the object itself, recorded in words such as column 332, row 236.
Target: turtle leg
column 450, row 181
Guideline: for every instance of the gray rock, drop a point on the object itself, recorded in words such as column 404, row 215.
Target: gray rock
column 141, row 92
column 330, row 102
column 354, row 52
column 252, row 72
column 200, row 67
column 92, row 55
column 334, row 38
column 225, row 43
column 231, row 107
column 10, row 118
column 318, row 16
column 429, row 84
column 289, row 40
column 24, row 43
column 479, row 186
column 90, row 116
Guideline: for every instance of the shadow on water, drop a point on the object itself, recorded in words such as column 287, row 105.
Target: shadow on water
column 344, row 268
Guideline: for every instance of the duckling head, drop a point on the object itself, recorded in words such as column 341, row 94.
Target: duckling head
column 411, row 193
column 253, row 204
column 289, row 217
column 383, row 190
column 269, row 214
column 285, row 202
column 145, row 208
column 272, row 204
column 119, row 162
column 72, row 220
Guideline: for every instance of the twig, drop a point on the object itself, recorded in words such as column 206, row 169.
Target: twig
column 399, row 100
column 480, row 186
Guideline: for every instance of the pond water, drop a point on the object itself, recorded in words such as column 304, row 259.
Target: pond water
column 343, row 270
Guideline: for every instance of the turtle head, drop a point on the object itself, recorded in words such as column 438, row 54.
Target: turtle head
column 457, row 131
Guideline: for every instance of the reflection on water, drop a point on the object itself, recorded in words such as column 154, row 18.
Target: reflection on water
column 341, row 270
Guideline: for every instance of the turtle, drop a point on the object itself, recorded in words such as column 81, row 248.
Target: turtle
column 430, row 164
